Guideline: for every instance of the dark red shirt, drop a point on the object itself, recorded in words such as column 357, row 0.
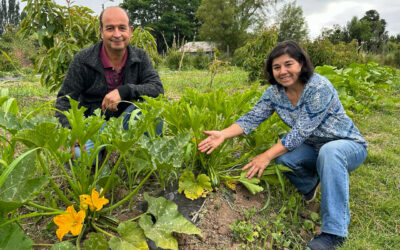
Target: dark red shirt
column 113, row 77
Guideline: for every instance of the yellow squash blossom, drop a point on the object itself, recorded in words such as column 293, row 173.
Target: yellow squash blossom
column 71, row 221
column 231, row 184
column 94, row 201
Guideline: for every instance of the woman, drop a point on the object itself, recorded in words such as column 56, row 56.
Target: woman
column 321, row 148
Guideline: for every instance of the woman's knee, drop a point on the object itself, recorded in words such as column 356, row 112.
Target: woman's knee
column 329, row 149
column 283, row 160
column 346, row 153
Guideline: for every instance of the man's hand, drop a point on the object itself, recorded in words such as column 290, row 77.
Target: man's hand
column 258, row 164
column 111, row 101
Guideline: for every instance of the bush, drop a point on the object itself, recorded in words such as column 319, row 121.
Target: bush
column 323, row 52
column 396, row 58
column 201, row 60
column 17, row 48
column 393, row 59
column 173, row 59
column 253, row 54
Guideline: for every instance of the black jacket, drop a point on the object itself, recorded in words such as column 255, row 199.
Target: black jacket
column 85, row 81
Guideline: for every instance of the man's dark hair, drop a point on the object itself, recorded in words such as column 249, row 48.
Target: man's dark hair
column 101, row 15
column 295, row 51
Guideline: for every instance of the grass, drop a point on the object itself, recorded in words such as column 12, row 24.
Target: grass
column 175, row 82
column 374, row 187
column 29, row 94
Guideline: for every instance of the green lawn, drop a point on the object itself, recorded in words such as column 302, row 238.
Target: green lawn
column 375, row 186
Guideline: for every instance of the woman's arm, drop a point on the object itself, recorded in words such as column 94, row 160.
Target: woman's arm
column 216, row 138
column 261, row 161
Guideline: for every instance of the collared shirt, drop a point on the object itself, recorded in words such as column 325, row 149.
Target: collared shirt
column 113, row 77
column 318, row 117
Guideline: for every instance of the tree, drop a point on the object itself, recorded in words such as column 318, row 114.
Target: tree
column 226, row 22
column 369, row 30
column 395, row 39
column 253, row 54
column 167, row 18
column 377, row 27
column 9, row 14
column 336, row 34
column 359, row 30
column 292, row 24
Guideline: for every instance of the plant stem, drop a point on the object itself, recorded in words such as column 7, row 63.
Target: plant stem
column 137, row 217
column 111, row 177
column 52, row 183
column 244, row 157
column 43, row 245
column 61, row 166
column 101, row 230
column 106, row 225
column 35, row 214
column 126, row 198
column 43, row 207
column 78, row 240
column 268, row 199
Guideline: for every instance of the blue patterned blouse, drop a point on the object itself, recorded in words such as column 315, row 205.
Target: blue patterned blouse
column 318, row 117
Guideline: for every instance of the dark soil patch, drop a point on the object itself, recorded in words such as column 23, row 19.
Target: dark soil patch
column 218, row 212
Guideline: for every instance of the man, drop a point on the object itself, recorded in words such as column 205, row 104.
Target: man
column 110, row 71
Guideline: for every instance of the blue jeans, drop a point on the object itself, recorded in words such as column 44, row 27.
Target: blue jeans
column 89, row 145
column 331, row 166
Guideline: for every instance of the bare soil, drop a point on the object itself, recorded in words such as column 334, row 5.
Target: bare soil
column 218, row 212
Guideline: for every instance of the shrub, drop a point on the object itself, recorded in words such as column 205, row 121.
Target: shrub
column 396, row 58
column 173, row 59
column 392, row 59
column 323, row 52
column 18, row 48
column 201, row 60
column 253, row 54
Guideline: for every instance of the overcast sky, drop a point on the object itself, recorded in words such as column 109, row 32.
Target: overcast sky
column 326, row 13
column 318, row 13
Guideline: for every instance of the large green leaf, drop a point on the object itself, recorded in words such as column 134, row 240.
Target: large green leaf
column 39, row 135
column 47, row 135
column 166, row 151
column 10, row 106
column 122, row 139
column 168, row 220
column 64, row 245
column 250, row 184
column 192, row 187
column 10, row 122
column 131, row 237
column 21, row 185
column 95, row 241
column 82, row 128
column 10, row 167
column 7, row 103
column 12, row 237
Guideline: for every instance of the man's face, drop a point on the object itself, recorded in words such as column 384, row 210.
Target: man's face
column 116, row 32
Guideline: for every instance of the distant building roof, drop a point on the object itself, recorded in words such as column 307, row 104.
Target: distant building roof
column 195, row 46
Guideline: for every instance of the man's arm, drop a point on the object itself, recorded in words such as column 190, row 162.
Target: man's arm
column 149, row 82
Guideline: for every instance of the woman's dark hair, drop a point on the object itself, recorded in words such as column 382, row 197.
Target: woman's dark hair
column 294, row 50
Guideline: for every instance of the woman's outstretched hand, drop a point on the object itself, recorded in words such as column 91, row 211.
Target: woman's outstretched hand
column 257, row 165
column 214, row 139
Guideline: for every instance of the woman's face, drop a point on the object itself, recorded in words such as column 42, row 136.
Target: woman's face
column 286, row 70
